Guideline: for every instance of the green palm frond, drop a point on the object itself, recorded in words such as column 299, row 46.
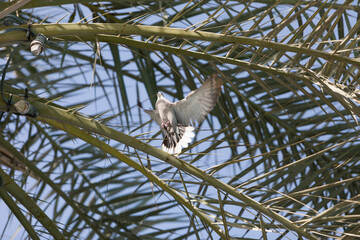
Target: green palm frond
column 276, row 158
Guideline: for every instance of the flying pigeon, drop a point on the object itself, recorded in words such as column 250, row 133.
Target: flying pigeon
column 175, row 119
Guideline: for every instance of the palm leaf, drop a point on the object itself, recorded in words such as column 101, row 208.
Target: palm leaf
column 276, row 157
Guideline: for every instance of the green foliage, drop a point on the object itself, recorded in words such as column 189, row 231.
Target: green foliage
column 276, row 158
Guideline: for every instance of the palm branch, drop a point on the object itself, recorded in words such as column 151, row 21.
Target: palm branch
column 276, row 158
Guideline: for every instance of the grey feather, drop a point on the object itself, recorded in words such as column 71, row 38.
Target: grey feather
column 197, row 104
column 154, row 114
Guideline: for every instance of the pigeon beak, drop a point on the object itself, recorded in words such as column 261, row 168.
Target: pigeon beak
column 159, row 95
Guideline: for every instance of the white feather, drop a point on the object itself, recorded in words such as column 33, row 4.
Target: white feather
column 183, row 143
column 187, row 137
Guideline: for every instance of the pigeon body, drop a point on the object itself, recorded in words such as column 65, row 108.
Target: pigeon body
column 175, row 118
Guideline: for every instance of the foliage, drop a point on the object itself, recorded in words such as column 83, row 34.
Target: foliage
column 276, row 158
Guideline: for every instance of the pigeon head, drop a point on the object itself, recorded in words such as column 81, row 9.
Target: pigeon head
column 160, row 95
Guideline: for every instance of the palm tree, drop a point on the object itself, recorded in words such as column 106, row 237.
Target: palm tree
column 276, row 158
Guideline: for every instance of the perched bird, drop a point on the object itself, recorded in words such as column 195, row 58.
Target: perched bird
column 175, row 119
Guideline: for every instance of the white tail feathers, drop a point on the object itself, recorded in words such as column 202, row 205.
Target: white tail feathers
column 175, row 142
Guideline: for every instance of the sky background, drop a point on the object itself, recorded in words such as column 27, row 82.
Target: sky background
column 272, row 114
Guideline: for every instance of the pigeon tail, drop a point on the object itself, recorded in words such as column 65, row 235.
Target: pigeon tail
column 173, row 143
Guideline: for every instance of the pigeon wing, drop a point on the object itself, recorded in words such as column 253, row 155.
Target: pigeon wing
column 198, row 103
column 154, row 114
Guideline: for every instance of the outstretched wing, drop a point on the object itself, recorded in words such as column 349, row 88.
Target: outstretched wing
column 154, row 114
column 196, row 105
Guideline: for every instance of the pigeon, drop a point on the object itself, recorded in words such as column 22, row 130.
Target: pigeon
column 178, row 118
